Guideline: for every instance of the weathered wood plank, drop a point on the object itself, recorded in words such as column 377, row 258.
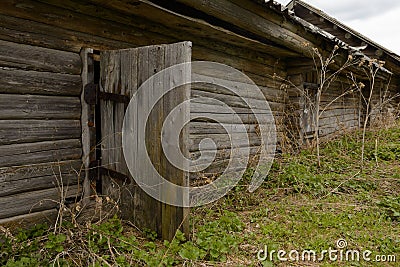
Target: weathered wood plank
column 38, row 107
column 222, row 141
column 269, row 94
column 24, row 31
column 216, row 128
column 38, row 183
column 25, row 131
column 31, row 153
column 35, row 201
column 88, row 126
column 8, row 174
column 243, row 64
column 13, row 81
column 174, row 218
column 122, row 72
column 164, row 22
column 209, row 113
column 236, row 101
column 28, row 220
column 222, row 154
column 251, row 22
column 37, row 58
column 120, row 75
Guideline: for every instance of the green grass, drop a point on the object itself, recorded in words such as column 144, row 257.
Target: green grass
column 299, row 207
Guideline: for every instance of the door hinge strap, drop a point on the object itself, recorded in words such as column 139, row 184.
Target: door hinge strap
column 93, row 94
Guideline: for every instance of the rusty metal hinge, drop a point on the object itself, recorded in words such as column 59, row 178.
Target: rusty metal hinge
column 96, row 171
column 92, row 95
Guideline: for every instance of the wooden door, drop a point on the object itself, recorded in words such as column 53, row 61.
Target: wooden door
column 122, row 72
column 309, row 116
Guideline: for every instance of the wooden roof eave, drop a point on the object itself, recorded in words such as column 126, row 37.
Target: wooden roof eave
column 195, row 28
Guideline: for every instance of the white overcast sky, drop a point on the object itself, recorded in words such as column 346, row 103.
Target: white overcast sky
column 378, row 20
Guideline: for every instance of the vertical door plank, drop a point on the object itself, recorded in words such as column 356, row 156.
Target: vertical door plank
column 122, row 72
column 174, row 218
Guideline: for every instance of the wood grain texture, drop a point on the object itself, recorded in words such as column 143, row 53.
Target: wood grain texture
column 13, row 81
column 26, row 131
column 40, row 200
column 26, row 221
column 15, row 173
column 174, row 218
column 39, row 107
column 31, row 153
column 29, row 57
column 122, row 72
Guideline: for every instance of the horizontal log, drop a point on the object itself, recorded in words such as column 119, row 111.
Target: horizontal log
column 222, row 154
column 251, row 22
column 29, row 57
column 31, row 153
column 236, row 101
column 163, row 21
column 27, row 221
column 13, row 81
column 9, row 174
column 25, row 203
column 338, row 113
column 337, row 131
column 38, row 183
column 24, row 31
column 333, row 121
column 39, row 107
column 236, row 84
column 26, row 131
column 213, row 113
column 222, row 141
column 216, row 128
column 247, row 66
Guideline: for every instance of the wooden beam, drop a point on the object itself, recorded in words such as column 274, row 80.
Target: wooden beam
column 25, row 203
column 37, row 58
column 25, row 131
column 31, row 153
column 39, row 107
column 13, row 81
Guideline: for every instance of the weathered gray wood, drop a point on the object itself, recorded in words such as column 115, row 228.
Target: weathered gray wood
column 222, row 154
column 31, row 153
column 8, row 174
column 26, row 131
column 24, row 31
column 122, row 72
column 208, row 113
column 223, row 141
column 168, row 23
column 35, row 201
column 38, row 58
column 39, row 107
column 270, row 94
column 13, row 81
column 236, row 101
column 38, row 183
column 28, row 220
column 174, row 218
column 215, row 128
column 87, row 124
column 245, row 19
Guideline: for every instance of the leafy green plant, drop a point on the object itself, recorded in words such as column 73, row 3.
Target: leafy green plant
column 391, row 206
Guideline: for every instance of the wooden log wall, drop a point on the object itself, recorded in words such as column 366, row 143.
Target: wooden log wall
column 40, row 129
column 342, row 113
column 45, row 88
column 385, row 102
column 76, row 25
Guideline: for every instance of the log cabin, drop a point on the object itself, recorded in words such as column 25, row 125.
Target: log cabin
column 55, row 136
